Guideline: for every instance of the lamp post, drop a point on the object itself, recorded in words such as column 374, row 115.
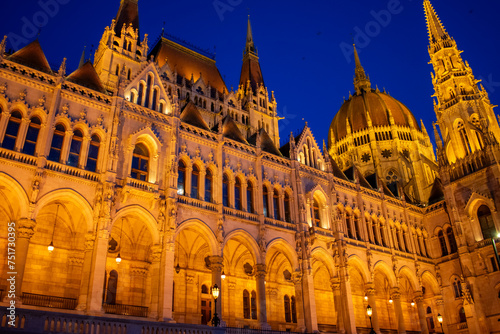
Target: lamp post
column 440, row 320
column 215, row 294
column 50, row 248
column 369, row 311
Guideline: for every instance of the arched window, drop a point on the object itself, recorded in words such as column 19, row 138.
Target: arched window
column 429, row 311
column 195, row 176
column 148, row 91
column 348, row 225
column 57, row 143
column 204, row 289
column 358, row 230
column 464, row 138
column 111, row 288
column 253, row 305
column 250, row 203
column 181, row 179
column 265, row 201
column 382, row 236
column 140, row 93
column 208, row 186
column 288, row 316
column 32, row 136
column 442, row 244
column 276, row 204
column 225, row 191
column 486, row 222
column 9, row 141
column 451, row 240
column 75, row 149
column 132, row 97
column 140, row 162
column 93, row 155
column 316, row 216
column 128, row 74
column 457, row 288
column 237, row 194
column 461, row 315
column 288, row 216
column 246, row 304
column 294, row 310
column 155, row 98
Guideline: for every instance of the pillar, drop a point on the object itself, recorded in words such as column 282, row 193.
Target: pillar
column 370, row 292
column 346, row 301
column 166, row 288
column 260, row 277
column 396, row 296
column 216, row 267
column 98, row 269
column 24, row 230
column 419, row 300
column 310, row 315
column 86, row 272
column 155, row 282
column 231, row 288
column 335, row 284
column 299, row 302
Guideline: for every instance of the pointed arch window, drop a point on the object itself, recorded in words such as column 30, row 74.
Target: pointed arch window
column 461, row 315
column 148, row 91
column 195, row 178
column 246, row 304
column 316, row 215
column 294, row 309
column 225, row 191
column 57, row 143
column 32, row 136
column 181, row 179
column 442, row 244
column 250, row 202
column 486, row 222
column 208, row 186
column 140, row 93
column 140, row 162
column 457, row 288
column 288, row 315
column 253, row 305
column 237, row 194
column 357, row 228
column 451, row 240
column 95, row 143
column 75, row 149
column 348, row 225
column 288, row 216
column 382, row 236
column 276, row 204
column 155, row 98
column 12, row 131
column 265, row 201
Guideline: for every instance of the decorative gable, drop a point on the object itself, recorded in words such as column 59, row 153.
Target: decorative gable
column 308, row 152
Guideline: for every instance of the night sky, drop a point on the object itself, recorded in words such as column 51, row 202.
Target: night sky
column 300, row 45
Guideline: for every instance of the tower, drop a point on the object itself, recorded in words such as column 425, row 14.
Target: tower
column 256, row 99
column 120, row 46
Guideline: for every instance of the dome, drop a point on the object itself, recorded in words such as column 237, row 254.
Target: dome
column 379, row 106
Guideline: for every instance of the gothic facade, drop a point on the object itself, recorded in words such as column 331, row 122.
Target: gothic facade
column 139, row 181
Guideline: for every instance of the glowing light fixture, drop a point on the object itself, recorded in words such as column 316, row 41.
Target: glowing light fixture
column 118, row 257
column 50, row 248
column 223, row 276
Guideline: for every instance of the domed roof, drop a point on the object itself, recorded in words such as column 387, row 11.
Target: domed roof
column 366, row 104
column 378, row 106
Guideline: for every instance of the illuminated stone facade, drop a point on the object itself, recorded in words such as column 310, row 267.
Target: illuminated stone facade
column 146, row 157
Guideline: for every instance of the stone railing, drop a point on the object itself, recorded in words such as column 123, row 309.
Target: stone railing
column 17, row 156
column 241, row 214
column 280, row 224
column 73, row 171
column 121, row 309
column 462, row 325
column 49, row 301
column 197, row 203
column 141, row 185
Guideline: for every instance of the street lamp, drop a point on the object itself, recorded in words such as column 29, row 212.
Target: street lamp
column 440, row 320
column 215, row 294
column 50, row 248
column 369, row 312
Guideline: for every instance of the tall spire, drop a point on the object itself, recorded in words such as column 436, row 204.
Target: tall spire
column 434, row 26
column 128, row 14
column 249, row 46
column 82, row 58
column 361, row 81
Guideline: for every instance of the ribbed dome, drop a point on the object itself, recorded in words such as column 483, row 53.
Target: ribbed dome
column 379, row 106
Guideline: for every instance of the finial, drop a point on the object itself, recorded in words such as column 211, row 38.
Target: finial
column 82, row 58
column 2, row 46
column 62, row 68
column 361, row 81
column 435, row 28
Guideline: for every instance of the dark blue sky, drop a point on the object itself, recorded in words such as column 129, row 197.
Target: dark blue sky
column 299, row 44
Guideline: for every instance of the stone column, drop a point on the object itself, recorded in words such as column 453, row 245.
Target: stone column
column 166, row 280
column 339, row 308
column 155, row 282
column 187, row 181
column 216, row 267
column 299, row 302
column 24, row 230
column 370, row 292
column 260, row 277
column 98, row 270
column 396, row 296
column 4, row 120
column 310, row 315
column 231, row 288
column 346, row 300
column 419, row 300
column 86, row 272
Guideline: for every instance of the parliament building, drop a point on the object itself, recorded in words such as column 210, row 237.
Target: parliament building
column 139, row 181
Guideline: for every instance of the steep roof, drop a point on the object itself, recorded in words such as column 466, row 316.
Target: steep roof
column 32, row 56
column 250, row 70
column 128, row 13
column 437, row 192
column 87, row 76
column 187, row 63
column 230, row 130
column 266, row 143
column 191, row 115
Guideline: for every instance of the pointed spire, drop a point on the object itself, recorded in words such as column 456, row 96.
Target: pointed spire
column 434, row 26
column 128, row 14
column 82, row 58
column 439, row 143
column 249, row 46
column 361, row 81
